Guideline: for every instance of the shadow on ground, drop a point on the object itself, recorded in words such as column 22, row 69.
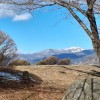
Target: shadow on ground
column 15, row 79
column 92, row 72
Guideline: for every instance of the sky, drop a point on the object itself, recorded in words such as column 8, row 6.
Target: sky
column 46, row 28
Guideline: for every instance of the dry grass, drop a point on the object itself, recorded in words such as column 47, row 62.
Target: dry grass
column 56, row 80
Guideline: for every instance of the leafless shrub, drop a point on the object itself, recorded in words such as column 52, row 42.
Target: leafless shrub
column 19, row 63
column 41, row 63
column 64, row 62
column 49, row 61
column 7, row 49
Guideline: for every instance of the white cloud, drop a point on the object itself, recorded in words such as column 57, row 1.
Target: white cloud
column 22, row 17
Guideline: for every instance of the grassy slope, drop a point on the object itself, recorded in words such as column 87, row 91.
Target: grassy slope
column 56, row 80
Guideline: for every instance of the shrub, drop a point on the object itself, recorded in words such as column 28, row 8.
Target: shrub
column 41, row 63
column 19, row 62
column 8, row 49
column 64, row 62
column 48, row 61
column 51, row 60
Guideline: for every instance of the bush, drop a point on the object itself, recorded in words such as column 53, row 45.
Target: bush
column 41, row 63
column 8, row 49
column 64, row 62
column 19, row 62
column 51, row 60
column 48, row 61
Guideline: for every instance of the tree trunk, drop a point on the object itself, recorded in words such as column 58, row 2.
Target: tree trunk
column 93, row 27
column 96, row 46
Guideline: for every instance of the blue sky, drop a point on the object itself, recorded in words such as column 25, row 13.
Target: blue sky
column 44, row 29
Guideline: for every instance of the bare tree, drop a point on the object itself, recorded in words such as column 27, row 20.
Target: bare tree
column 89, row 9
column 7, row 49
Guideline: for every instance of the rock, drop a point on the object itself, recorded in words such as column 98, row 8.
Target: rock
column 86, row 89
column 25, row 75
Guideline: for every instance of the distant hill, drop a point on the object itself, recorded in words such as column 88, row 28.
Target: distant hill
column 82, row 57
column 76, row 54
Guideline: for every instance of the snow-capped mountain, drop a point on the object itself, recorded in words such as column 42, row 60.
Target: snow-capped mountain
column 49, row 52
column 76, row 54
column 73, row 49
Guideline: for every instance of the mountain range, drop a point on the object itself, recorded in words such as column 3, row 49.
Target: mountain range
column 76, row 54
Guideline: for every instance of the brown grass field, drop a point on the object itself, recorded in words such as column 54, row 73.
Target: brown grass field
column 56, row 80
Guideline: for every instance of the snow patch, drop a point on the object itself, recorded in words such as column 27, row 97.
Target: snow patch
column 74, row 49
column 9, row 76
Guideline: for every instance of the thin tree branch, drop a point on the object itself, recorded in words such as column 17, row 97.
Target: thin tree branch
column 77, row 18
